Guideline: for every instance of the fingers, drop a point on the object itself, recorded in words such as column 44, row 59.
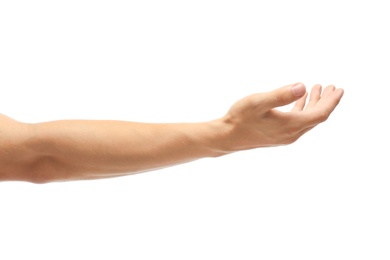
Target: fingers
column 318, row 109
column 328, row 103
column 300, row 104
column 282, row 96
column 332, row 97
column 316, row 98
column 328, row 90
column 315, row 95
column 321, row 110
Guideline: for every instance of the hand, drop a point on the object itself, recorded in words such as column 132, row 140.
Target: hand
column 254, row 122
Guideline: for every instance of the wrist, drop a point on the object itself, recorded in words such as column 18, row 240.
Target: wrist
column 215, row 137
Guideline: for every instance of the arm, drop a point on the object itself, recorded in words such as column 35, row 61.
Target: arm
column 90, row 149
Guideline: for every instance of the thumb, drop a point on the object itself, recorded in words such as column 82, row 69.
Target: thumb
column 283, row 96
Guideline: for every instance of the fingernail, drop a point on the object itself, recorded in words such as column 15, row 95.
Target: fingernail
column 298, row 90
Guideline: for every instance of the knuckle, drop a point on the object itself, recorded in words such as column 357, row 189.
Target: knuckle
column 290, row 140
column 254, row 100
column 323, row 116
column 290, row 136
column 293, row 140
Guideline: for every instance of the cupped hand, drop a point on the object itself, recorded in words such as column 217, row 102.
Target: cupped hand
column 255, row 121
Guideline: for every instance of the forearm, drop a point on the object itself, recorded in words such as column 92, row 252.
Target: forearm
column 87, row 149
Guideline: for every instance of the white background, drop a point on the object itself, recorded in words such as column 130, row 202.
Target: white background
column 325, row 197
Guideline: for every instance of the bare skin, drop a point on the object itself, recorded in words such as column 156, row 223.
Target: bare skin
column 69, row 150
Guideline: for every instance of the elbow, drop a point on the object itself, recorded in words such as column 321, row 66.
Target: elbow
column 22, row 156
column 42, row 171
column 24, row 173
column 37, row 171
